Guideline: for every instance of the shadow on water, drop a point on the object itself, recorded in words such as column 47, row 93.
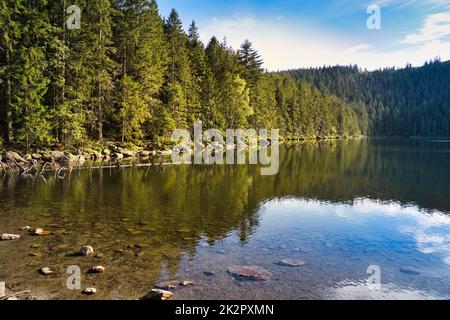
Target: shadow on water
column 149, row 224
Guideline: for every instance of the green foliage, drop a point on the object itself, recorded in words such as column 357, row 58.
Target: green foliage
column 133, row 112
column 133, row 76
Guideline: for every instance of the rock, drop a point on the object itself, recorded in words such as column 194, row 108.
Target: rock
column 106, row 152
column 117, row 155
column 86, row 251
column 36, row 156
column 253, row 273
column 40, row 232
column 97, row 269
column 28, row 157
column 171, row 285
column 96, row 155
column 182, row 150
column 186, row 283
column 127, row 153
column 46, row 156
column 13, row 156
column 57, row 155
column 90, row 291
column 46, row 271
column 74, row 159
column 165, row 153
column 209, row 273
column 290, row 263
column 36, row 254
column 26, row 228
column 145, row 153
column 9, row 237
column 157, row 294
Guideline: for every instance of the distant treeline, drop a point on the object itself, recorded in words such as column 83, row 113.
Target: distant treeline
column 130, row 75
column 406, row 102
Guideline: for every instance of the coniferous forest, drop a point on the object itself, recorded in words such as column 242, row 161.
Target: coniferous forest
column 130, row 75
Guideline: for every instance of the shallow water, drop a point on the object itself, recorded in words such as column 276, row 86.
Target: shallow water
column 339, row 206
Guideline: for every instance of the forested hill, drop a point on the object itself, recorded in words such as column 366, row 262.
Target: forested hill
column 130, row 75
column 401, row 102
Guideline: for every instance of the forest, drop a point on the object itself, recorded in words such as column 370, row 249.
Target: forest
column 408, row 102
column 129, row 75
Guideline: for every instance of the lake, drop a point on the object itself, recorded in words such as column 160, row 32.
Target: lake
column 342, row 207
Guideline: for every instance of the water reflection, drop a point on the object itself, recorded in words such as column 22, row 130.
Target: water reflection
column 340, row 206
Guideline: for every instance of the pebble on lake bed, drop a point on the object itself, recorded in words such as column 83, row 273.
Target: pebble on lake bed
column 171, row 285
column 90, row 291
column 86, row 251
column 157, row 294
column 97, row 269
column 46, row 271
column 40, row 232
column 9, row 237
column 186, row 283
column 290, row 263
column 253, row 273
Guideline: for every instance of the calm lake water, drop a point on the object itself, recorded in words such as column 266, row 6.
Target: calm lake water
column 339, row 206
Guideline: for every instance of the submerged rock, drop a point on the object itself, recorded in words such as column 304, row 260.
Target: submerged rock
column 157, row 294
column 290, row 263
column 253, row 273
column 86, row 251
column 90, row 291
column 40, row 232
column 46, row 271
column 9, row 237
column 170, row 285
column 186, row 283
column 209, row 273
column 97, row 269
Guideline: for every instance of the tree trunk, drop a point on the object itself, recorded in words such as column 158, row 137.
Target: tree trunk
column 100, row 107
column 9, row 117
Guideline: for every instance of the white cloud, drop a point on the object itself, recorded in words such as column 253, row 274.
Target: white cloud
column 436, row 26
column 287, row 47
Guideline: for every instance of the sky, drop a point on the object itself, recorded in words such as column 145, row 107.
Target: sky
column 299, row 33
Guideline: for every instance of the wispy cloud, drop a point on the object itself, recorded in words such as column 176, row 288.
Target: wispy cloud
column 286, row 47
column 436, row 26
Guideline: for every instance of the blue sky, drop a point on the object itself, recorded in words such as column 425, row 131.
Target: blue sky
column 299, row 33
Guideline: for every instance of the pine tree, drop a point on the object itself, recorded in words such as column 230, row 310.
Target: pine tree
column 252, row 62
column 178, row 94
column 10, row 30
